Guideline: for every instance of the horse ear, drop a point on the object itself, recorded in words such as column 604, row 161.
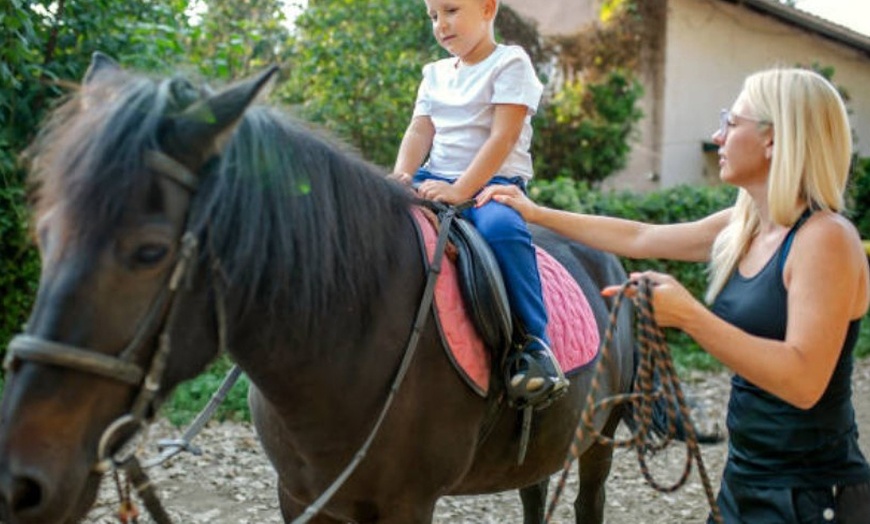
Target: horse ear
column 100, row 64
column 200, row 132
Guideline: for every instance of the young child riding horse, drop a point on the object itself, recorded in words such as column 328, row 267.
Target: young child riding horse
column 472, row 118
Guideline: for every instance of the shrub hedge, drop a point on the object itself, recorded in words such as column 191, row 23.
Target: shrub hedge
column 678, row 204
column 19, row 264
column 684, row 204
column 858, row 203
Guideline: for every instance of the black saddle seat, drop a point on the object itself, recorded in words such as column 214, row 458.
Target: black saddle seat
column 480, row 282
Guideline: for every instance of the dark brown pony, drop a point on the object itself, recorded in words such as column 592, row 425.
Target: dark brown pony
column 170, row 220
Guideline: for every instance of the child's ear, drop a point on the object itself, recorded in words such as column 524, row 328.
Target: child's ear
column 490, row 8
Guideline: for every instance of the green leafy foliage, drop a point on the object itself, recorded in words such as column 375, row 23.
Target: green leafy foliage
column 584, row 130
column 19, row 265
column 356, row 68
column 190, row 397
column 235, row 39
column 859, row 212
column 859, row 196
column 678, row 204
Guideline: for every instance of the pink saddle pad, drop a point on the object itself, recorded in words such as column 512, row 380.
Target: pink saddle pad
column 572, row 328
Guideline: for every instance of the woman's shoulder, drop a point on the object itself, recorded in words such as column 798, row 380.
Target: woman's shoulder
column 830, row 236
column 825, row 224
column 828, row 247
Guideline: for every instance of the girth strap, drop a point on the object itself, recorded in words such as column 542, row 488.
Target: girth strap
column 34, row 349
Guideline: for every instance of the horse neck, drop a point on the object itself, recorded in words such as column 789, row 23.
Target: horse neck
column 354, row 349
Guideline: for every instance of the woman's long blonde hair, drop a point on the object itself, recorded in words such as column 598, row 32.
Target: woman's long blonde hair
column 812, row 148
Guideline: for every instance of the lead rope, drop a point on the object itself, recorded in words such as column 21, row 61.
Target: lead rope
column 655, row 359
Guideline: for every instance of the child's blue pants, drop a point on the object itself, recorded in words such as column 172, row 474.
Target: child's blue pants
column 508, row 237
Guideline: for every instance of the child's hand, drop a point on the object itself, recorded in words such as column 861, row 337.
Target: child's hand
column 402, row 178
column 440, row 192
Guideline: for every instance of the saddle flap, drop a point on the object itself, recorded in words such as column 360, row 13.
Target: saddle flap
column 482, row 286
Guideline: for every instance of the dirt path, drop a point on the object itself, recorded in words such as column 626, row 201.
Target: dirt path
column 232, row 483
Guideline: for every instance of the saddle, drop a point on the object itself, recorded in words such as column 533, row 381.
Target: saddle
column 472, row 310
column 480, row 280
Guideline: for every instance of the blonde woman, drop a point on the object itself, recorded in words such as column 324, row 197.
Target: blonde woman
column 789, row 286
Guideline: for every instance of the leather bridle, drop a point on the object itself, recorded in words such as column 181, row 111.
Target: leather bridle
column 160, row 317
column 125, row 367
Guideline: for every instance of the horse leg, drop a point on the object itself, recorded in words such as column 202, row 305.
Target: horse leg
column 594, row 467
column 411, row 513
column 534, row 499
column 290, row 509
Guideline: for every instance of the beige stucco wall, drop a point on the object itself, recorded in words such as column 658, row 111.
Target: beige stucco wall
column 711, row 47
column 556, row 17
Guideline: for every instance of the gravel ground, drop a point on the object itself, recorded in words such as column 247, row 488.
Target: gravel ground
column 233, row 483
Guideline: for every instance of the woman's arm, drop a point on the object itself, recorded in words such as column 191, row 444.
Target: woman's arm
column 689, row 241
column 826, row 275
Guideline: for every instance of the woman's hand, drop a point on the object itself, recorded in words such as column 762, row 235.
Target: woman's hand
column 509, row 195
column 672, row 303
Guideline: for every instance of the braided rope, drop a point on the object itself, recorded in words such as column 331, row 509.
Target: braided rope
column 655, row 362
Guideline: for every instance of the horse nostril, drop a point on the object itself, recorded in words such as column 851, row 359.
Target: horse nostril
column 26, row 494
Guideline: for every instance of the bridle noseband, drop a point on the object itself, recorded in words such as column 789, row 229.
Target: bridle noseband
column 117, row 453
column 125, row 367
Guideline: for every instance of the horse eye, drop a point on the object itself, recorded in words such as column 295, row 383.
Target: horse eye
column 149, row 254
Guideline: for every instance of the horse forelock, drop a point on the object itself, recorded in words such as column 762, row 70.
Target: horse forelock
column 303, row 226
column 87, row 163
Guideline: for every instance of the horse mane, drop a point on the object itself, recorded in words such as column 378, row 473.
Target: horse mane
column 299, row 221
column 87, row 160
column 299, row 224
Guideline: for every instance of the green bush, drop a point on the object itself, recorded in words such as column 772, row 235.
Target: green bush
column 356, row 67
column 859, row 196
column 190, row 397
column 19, row 264
column 584, row 130
column 678, row 204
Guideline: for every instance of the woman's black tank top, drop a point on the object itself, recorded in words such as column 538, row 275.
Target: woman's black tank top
column 772, row 443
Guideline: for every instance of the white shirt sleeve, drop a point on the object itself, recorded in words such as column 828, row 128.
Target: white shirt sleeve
column 423, row 105
column 515, row 82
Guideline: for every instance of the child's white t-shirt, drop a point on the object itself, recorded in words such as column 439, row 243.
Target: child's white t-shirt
column 461, row 101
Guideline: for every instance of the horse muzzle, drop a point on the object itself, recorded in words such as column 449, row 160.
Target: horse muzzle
column 38, row 489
